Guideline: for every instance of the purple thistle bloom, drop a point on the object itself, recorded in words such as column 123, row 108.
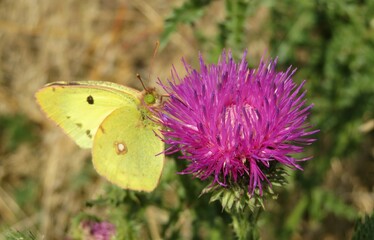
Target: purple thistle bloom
column 98, row 230
column 232, row 123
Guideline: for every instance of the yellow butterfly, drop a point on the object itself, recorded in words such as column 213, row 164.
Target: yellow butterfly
column 114, row 121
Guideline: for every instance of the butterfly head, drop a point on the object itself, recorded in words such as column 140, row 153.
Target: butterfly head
column 151, row 98
column 150, row 105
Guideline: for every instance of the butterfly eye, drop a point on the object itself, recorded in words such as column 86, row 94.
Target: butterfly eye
column 149, row 99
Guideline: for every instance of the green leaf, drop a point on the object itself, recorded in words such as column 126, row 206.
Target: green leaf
column 364, row 228
column 188, row 13
column 20, row 235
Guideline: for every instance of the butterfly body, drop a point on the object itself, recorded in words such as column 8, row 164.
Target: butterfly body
column 113, row 120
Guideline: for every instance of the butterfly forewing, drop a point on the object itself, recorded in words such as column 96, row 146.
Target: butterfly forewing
column 80, row 107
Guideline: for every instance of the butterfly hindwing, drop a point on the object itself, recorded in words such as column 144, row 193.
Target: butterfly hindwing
column 125, row 150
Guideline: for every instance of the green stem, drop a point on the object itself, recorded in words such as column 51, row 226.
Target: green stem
column 245, row 223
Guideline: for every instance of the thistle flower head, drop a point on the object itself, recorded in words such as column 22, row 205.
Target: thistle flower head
column 98, row 230
column 233, row 124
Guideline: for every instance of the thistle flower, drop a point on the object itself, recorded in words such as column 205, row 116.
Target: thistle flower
column 98, row 230
column 233, row 124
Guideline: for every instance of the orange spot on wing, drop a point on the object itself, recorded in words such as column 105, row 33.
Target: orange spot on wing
column 120, row 148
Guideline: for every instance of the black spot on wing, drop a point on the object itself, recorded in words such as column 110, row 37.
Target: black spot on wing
column 79, row 125
column 88, row 132
column 90, row 100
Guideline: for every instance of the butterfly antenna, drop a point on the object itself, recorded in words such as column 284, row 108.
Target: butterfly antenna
column 155, row 51
column 141, row 81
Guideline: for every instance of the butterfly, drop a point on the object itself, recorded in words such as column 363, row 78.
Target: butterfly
column 116, row 122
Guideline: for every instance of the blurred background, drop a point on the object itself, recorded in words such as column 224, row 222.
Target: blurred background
column 47, row 183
